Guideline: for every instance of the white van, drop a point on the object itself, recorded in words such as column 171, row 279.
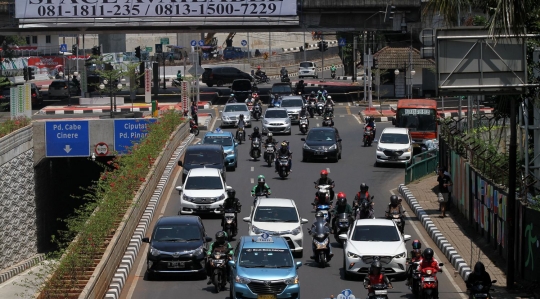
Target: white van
column 308, row 69
column 394, row 146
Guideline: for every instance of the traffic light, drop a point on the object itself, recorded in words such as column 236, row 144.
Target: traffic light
column 375, row 62
column 25, row 73
column 325, row 46
column 389, row 13
column 96, row 51
column 138, row 52
column 31, row 75
column 74, row 49
column 320, row 46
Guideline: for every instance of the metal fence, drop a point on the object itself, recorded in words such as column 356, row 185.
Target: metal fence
column 421, row 165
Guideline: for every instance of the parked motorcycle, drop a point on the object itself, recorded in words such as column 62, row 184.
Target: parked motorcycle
column 369, row 136
column 256, row 112
column 193, row 127
column 320, row 238
column 341, row 226
column 328, row 121
column 285, row 78
column 218, row 268
column 241, row 135
column 303, row 124
column 283, row 167
column 255, row 151
column 429, row 284
column 269, row 154
column 480, row 291
column 228, row 224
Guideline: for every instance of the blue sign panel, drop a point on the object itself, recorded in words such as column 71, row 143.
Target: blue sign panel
column 63, row 48
column 129, row 131
column 244, row 42
column 68, row 138
column 193, row 43
column 342, row 42
column 201, row 43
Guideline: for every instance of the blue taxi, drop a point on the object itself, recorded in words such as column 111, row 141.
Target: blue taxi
column 263, row 268
column 230, row 146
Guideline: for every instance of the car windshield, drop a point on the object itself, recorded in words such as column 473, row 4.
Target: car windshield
column 319, row 135
column 203, row 183
column 58, row 84
column 375, row 233
column 234, row 108
column 417, row 119
column 276, row 114
column 177, row 233
column 265, row 258
column 292, row 103
column 306, row 64
column 281, row 89
column 222, row 140
column 202, row 158
column 241, row 85
column 394, row 138
column 276, row 214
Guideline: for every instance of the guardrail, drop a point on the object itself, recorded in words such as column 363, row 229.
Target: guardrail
column 427, row 164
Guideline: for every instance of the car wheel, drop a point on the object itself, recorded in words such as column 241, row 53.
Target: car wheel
column 150, row 276
column 299, row 255
column 340, row 155
column 209, row 84
column 219, row 83
column 346, row 274
column 377, row 164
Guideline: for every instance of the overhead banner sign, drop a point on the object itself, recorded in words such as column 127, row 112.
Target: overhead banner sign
column 32, row 9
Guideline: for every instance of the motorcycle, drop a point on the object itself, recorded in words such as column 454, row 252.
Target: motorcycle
column 241, row 136
column 328, row 122
column 480, row 291
column 193, row 127
column 341, row 226
column 275, row 102
column 258, row 195
column 311, row 108
column 304, row 127
column 323, row 194
column 283, row 166
column 325, row 209
column 333, row 74
column 177, row 83
column 255, row 151
column 368, row 136
column 228, row 223
column 429, row 284
column 285, row 78
column 399, row 222
column 415, row 284
column 256, row 112
column 269, row 154
column 380, row 291
column 320, row 108
column 218, row 266
column 363, row 210
column 263, row 78
column 321, row 241
column 329, row 109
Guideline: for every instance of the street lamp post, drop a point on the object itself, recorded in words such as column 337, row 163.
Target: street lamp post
column 409, row 85
column 110, row 84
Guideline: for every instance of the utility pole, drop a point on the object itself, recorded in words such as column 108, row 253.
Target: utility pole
column 269, row 48
column 354, row 59
column 511, row 216
column 364, row 63
column 304, row 45
column 322, row 53
column 370, row 87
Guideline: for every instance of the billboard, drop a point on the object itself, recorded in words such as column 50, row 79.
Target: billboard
column 59, row 9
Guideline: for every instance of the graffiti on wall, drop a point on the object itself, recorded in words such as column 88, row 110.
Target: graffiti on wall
column 531, row 243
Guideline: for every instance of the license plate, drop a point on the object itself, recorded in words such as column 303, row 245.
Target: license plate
column 229, row 214
column 176, row 265
column 392, row 158
column 321, row 246
column 343, row 220
column 381, row 292
column 429, row 279
column 218, row 262
column 266, row 296
column 202, row 207
column 319, row 153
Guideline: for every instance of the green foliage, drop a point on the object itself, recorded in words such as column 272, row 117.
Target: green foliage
column 479, row 21
column 113, row 73
column 6, row 42
column 12, row 125
column 4, row 83
column 346, row 53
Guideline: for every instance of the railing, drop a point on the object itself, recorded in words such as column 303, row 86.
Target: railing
column 421, row 165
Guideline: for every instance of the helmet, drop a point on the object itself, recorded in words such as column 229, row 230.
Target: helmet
column 220, row 237
column 284, row 144
column 261, row 180
column 313, row 93
column 258, row 67
column 479, row 268
column 231, row 193
column 269, row 134
column 232, row 94
column 375, row 268
column 394, row 200
column 324, row 173
column 341, row 199
column 364, row 187
column 368, row 118
column 416, row 244
column 319, row 215
column 329, row 97
column 256, row 129
column 428, row 254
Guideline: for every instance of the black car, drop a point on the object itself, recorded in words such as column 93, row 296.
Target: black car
column 281, row 89
column 203, row 155
column 177, row 246
column 223, row 75
column 37, row 96
column 241, row 88
column 322, row 143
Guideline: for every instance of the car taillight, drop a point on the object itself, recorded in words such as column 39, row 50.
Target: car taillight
column 34, row 95
column 65, row 87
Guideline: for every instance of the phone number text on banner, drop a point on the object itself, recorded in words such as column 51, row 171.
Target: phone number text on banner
column 30, row 9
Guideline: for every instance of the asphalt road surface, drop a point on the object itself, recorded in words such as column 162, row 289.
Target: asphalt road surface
column 356, row 166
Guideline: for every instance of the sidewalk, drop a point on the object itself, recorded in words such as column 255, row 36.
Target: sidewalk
column 454, row 237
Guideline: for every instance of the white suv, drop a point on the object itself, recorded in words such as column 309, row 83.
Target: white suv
column 308, row 69
column 204, row 191
column 394, row 146
column 278, row 217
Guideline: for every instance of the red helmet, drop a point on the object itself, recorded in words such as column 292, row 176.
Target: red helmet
column 324, row 173
column 258, row 67
column 341, row 199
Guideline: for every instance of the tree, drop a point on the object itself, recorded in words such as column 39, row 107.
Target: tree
column 346, row 53
column 6, row 42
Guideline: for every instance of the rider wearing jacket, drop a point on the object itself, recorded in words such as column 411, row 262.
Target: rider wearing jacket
column 300, row 87
column 255, row 134
column 232, row 99
column 261, row 186
column 270, row 139
column 231, row 202
column 333, row 68
column 395, row 208
column 283, row 72
column 341, row 207
column 370, row 122
column 376, row 276
column 416, row 257
column 284, row 151
column 221, row 244
column 360, row 196
column 324, row 180
column 428, row 262
column 479, row 275
column 319, row 217
column 240, row 123
column 258, row 73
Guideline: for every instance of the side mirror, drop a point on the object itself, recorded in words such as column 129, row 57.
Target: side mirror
column 406, row 238
column 246, row 219
column 232, row 264
column 180, row 163
column 343, row 237
column 303, row 139
column 441, row 264
column 228, row 188
column 208, row 239
column 236, row 144
column 393, row 121
column 493, row 281
column 304, row 221
column 146, row 240
column 179, row 188
column 298, row 265
column 220, row 111
column 339, row 140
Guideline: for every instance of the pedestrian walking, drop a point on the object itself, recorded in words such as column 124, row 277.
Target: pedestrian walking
column 194, row 112
column 444, row 191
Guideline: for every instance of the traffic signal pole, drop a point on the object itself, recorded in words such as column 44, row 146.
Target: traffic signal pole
column 322, row 53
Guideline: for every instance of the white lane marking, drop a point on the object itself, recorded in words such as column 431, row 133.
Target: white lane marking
column 252, row 168
column 342, row 115
column 357, row 118
column 318, row 125
column 446, row 273
column 144, row 248
column 328, row 169
column 213, row 124
column 349, row 104
column 252, row 180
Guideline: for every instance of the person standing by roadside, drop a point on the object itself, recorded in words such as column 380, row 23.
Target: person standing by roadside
column 194, row 112
column 444, row 183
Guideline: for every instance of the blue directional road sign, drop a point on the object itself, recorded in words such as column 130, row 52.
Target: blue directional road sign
column 159, row 48
column 67, row 138
column 342, row 42
column 193, row 43
column 201, row 43
column 63, row 48
column 129, row 131
column 244, row 42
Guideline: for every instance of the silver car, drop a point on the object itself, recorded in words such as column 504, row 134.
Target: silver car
column 308, row 69
column 231, row 113
column 293, row 105
column 276, row 120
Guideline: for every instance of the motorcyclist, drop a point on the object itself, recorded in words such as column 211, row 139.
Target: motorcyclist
column 231, row 202
column 428, row 262
column 261, row 186
column 370, row 122
column 320, row 96
column 394, row 207
column 312, row 96
column 479, row 275
column 275, row 99
column 324, row 180
column 319, row 217
column 221, row 244
column 270, row 139
column 341, row 207
column 333, row 68
column 284, row 151
column 255, row 134
column 284, row 72
column 258, row 73
column 232, row 99
column 300, row 87
column 179, row 75
column 240, row 123
column 359, row 198
column 250, row 100
column 376, row 276
column 416, row 257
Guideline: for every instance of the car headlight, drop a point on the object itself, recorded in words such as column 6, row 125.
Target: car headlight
column 407, row 150
column 380, row 149
column 242, row 280
column 224, row 117
column 305, row 146
column 154, row 251
column 256, row 230
column 229, row 152
column 353, row 255
column 333, row 147
column 198, row 251
column 296, row 231
column 287, row 121
column 265, row 122
column 401, row 255
column 222, row 196
column 187, row 198
column 293, row 280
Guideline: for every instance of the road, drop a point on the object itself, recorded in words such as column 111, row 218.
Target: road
column 357, row 166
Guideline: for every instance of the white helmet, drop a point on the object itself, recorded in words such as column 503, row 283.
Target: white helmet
column 269, row 134
column 329, row 97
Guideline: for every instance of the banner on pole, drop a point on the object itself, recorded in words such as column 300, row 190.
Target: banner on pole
column 185, row 96
column 148, row 85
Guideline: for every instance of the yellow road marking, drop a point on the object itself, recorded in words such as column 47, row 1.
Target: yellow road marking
column 348, row 110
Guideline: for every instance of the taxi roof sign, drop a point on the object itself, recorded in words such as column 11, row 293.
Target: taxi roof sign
column 265, row 238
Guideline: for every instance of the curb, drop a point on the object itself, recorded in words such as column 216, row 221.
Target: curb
column 349, row 78
column 377, row 119
column 21, row 267
column 120, row 277
column 90, row 111
column 206, row 123
column 315, row 45
column 449, row 251
column 464, row 113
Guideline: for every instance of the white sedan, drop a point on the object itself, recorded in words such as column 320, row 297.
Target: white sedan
column 370, row 238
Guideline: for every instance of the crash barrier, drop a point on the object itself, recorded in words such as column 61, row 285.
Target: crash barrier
column 421, row 165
